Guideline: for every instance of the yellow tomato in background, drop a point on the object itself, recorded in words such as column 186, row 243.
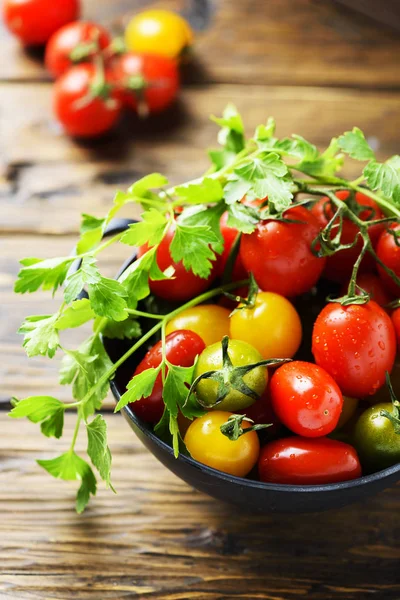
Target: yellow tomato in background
column 209, row 446
column 209, row 321
column 272, row 326
column 158, row 32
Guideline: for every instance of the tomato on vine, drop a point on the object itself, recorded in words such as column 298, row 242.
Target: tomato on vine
column 279, row 254
column 85, row 103
column 339, row 265
column 76, row 42
column 356, row 345
column 372, row 284
column 34, row 21
column 207, row 444
column 146, row 83
column 388, row 250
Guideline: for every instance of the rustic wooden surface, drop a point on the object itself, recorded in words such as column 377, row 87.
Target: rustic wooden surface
column 319, row 70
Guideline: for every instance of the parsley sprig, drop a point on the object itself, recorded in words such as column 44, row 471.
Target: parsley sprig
column 258, row 167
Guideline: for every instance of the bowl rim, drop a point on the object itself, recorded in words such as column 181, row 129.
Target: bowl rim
column 251, row 483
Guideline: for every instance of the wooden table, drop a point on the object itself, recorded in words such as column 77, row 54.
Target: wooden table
column 319, row 70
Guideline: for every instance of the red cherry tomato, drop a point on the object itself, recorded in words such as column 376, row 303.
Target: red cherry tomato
column 82, row 109
column 182, row 347
column 146, row 82
column 356, row 344
column 261, row 412
column 389, row 253
column 229, row 234
column 185, row 284
column 373, row 285
column 279, row 254
column 396, row 323
column 83, row 36
column 306, row 399
column 34, row 21
column 306, row 461
column 339, row 266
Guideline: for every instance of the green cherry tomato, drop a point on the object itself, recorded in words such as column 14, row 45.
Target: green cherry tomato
column 375, row 439
column 241, row 354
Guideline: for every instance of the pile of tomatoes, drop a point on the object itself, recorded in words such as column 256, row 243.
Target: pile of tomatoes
column 326, row 413
column 98, row 77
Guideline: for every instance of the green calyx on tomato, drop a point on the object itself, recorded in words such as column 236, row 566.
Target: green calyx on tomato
column 394, row 414
column 231, row 375
column 233, row 429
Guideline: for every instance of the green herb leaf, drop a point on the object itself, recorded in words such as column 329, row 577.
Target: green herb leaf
column 128, row 329
column 41, row 409
column 149, row 231
column 87, row 273
column 71, row 467
column 206, row 192
column 221, row 158
column 385, row 177
column 108, row 299
column 98, row 449
column 231, row 135
column 46, row 274
column 236, row 189
column 355, row 145
column 266, row 132
column 92, row 230
column 279, row 191
column 242, row 217
column 142, row 187
column 139, row 387
column 206, row 217
column 135, row 278
column 77, row 314
column 191, row 245
column 40, row 335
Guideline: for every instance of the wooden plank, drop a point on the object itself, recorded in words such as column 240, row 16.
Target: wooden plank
column 159, row 539
column 318, row 43
column 48, row 179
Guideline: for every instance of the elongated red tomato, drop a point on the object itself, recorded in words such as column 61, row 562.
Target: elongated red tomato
column 76, row 42
column 229, row 234
column 373, row 285
column 306, row 461
column 306, row 399
column 389, row 253
column 84, row 109
column 182, row 347
column 146, row 82
column 34, row 21
column 339, row 266
column 279, row 254
column 356, row 344
column 185, row 284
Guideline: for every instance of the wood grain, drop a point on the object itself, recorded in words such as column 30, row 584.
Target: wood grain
column 160, row 539
column 318, row 43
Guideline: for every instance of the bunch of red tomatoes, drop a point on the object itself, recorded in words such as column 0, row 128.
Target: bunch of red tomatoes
column 326, row 414
column 96, row 76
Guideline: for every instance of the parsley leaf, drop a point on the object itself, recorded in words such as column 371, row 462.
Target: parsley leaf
column 242, row 217
column 71, row 467
column 139, row 387
column 140, row 191
column 46, row 274
column 266, row 132
column 191, row 245
column 149, row 231
column 231, row 135
column 98, row 450
column 355, row 145
column 75, row 315
column 207, row 217
column 385, row 177
column 236, row 189
column 46, row 410
column 92, row 230
column 40, row 335
column 128, row 329
column 135, row 278
column 87, row 273
column 206, row 192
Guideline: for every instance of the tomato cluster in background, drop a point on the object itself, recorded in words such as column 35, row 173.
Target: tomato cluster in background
column 324, row 415
column 97, row 77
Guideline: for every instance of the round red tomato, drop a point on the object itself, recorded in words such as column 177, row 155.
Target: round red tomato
column 279, row 254
column 229, row 234
column 306, row 399
column 396, row 323
column 146, row 82
column 34, row 21
column 306, row 461
column 389, row 253
column 84, row 109
column 182, row 347
column 339, row 266
column 73, row 43
column 373, row 285
column 184, row 284
column 356, row 344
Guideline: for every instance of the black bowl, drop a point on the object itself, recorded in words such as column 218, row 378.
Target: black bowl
column 250, row 495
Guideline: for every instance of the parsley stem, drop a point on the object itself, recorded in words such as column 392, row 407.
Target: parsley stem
column 164, row 351
column 109, row 242
column 382, row 202
column 140, row 313
column 75, row 435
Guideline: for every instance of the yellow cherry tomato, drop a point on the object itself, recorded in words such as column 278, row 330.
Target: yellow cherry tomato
column 158, row 32
column 348, row 410
column 272, row 326
column 209, row 321
column 209, row 446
